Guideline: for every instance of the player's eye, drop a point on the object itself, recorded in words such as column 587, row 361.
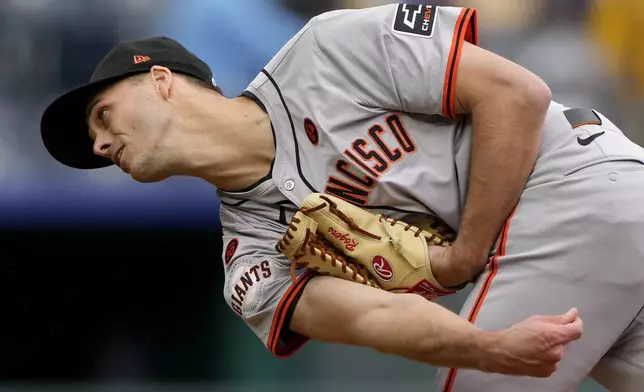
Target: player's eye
column 102, row 112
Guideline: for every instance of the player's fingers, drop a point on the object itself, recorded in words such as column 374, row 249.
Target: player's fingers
column 557, row 353
column 546, row 371
column 564, row 318
column 539, row 371
column 571, row 331
column 570, row 316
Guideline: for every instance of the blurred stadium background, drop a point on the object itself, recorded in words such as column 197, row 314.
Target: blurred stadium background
column 111, row 285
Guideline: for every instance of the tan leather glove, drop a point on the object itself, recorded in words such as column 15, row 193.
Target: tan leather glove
column 334, row 237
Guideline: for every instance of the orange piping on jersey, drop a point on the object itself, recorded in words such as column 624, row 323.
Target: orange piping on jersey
column 466, row 30
column 494, row 267
column 581, row 124
column 279, row 317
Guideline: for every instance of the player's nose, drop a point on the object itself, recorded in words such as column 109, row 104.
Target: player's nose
column 102, row 145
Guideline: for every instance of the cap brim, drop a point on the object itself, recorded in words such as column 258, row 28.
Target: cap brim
column 64, row 129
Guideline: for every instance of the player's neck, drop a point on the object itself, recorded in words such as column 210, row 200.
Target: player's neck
column 234, row 147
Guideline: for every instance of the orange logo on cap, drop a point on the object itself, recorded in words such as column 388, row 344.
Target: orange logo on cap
column 141, row 59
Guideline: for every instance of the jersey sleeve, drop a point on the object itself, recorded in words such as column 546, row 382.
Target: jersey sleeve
column 400, row 56
column 259, row 288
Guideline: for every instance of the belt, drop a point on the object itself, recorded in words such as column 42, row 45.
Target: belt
column 579, row 117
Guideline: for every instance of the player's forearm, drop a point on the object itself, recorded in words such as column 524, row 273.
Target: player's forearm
column 505, row 146
column 338, row 311
column 419, row 330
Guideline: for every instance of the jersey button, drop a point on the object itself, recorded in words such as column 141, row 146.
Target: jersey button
column 289, row 185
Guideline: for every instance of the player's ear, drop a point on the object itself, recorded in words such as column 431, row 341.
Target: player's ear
column 162, row 80
column 483, row 75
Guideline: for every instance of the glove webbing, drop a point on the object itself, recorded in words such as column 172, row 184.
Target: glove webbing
column 315, row 241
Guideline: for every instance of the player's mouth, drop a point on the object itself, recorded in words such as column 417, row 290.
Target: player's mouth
column 117, row 157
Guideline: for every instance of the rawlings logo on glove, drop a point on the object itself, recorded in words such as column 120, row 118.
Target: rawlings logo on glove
column 336, row 238
column 382, row 268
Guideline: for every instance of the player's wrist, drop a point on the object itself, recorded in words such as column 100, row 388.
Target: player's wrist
column 491, row 356
column 474, row 240
column 457, row 266
column 472, row 250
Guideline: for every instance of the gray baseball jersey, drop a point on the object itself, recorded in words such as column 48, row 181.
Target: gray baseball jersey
column 340, row 96
column 362, row 107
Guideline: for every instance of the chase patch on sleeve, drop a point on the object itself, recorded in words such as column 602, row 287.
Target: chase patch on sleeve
column 415, row 19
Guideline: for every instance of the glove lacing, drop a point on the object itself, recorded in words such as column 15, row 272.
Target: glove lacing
column 441, row 239
column 333, row 208
column 431, row 238
column 313, row 242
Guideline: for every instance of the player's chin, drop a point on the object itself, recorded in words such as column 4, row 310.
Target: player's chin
column 148, row 179
column 146, row 175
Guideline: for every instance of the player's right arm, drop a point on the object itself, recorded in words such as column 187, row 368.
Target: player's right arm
column 407, row 325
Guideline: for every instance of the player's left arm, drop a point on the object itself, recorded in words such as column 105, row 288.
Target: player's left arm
column 508, row 105
column 426, row 59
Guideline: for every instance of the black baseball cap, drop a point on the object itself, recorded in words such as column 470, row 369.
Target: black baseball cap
column 63, row 125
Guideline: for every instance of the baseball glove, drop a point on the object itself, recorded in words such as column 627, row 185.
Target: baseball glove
column 333, row 237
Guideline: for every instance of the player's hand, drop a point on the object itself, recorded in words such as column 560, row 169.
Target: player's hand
column 535, row 346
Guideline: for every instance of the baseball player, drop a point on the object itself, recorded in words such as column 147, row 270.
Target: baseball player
column 395, row 109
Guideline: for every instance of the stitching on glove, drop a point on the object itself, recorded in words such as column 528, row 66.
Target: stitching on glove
column 430, row 236
column 314, row 244
column 333, row 207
